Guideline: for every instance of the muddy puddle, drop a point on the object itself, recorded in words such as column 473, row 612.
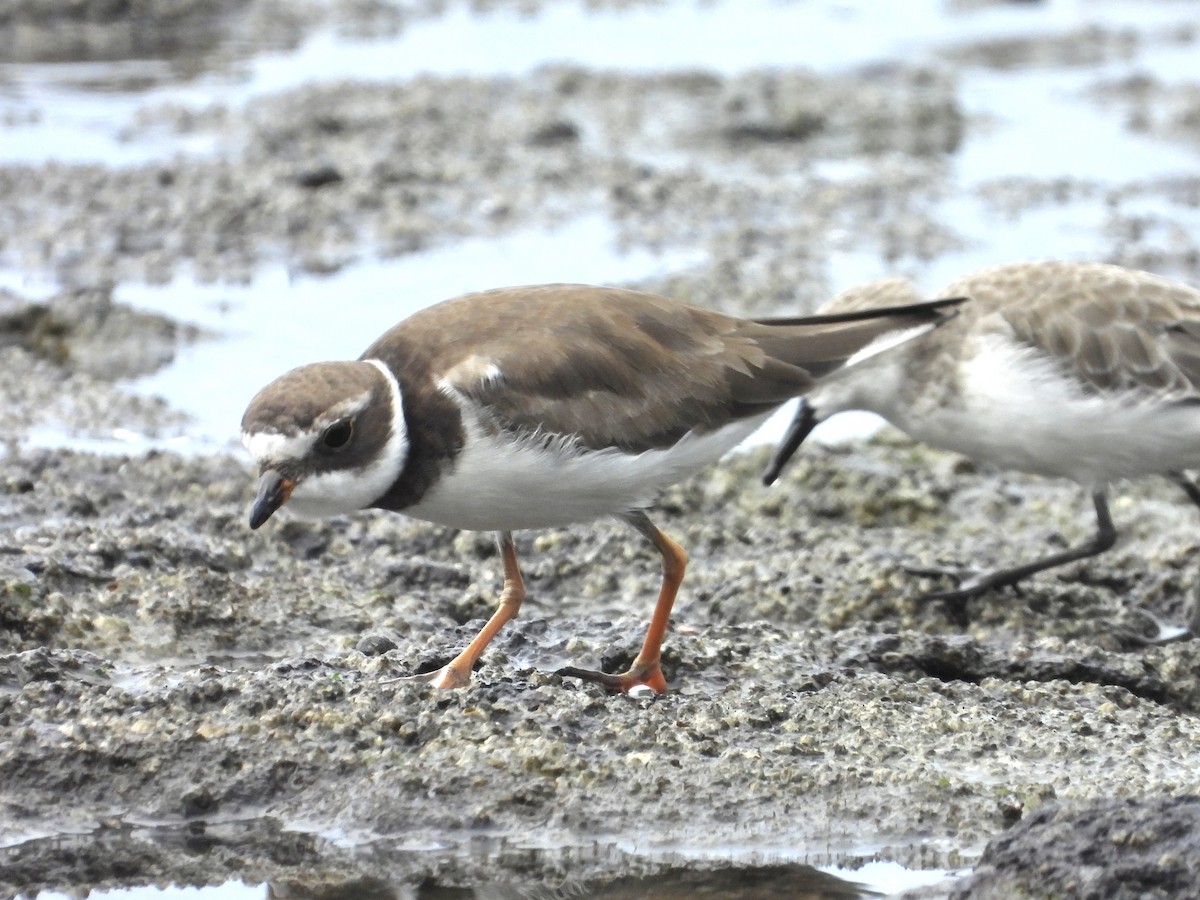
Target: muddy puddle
column 335, row 866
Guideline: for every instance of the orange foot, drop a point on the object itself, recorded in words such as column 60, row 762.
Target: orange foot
column 448, row 676
column 647, row 675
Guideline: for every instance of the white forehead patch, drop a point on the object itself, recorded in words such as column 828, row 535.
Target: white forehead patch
column 269, row 446
column 338, row 490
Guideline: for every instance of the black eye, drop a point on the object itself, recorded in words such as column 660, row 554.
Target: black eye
column 337, row 435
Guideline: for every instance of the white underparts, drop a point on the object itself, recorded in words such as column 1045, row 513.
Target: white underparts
column 1021, row 409
column 499, row 483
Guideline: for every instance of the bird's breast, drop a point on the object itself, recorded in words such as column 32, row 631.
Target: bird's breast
column 505, row 482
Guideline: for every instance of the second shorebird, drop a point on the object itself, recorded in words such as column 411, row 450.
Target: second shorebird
column 538, row 407
column 1080, row 370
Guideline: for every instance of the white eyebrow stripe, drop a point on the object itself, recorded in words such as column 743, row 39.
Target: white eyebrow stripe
column 350, row 407
column 271, row 446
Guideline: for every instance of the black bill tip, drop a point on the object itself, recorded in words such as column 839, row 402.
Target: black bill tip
column 805, row 421
column 273, row 491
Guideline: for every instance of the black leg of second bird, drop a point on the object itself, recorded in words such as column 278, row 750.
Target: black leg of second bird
column 1106, row 536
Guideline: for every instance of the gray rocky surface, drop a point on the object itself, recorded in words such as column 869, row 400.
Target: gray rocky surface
column 168, row 667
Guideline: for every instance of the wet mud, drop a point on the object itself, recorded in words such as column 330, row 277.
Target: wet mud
column 184, row 700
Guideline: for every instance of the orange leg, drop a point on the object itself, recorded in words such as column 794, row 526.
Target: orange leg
column 457, row 672
column 645, row 669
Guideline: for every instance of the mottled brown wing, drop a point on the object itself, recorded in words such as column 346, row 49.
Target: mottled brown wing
column 1116, row 329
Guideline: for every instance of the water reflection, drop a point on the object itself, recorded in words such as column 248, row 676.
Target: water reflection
column 303, row 866
column 671, row 883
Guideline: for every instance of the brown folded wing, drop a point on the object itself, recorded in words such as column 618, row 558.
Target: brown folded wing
column 618, row 368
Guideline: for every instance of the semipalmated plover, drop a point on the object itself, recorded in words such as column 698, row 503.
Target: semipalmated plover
column 1080, row 370
column 536, row 407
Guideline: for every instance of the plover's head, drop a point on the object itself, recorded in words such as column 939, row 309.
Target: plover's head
column 880, row 376
column 877, row 378
column 328, row 438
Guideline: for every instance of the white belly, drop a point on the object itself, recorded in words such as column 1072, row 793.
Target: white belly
column 1018, row 411
column 499, row 485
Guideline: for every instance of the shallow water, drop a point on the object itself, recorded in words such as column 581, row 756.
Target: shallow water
column 268, row 323
column 81, row 111
column 230, row 890
column 747, row 873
